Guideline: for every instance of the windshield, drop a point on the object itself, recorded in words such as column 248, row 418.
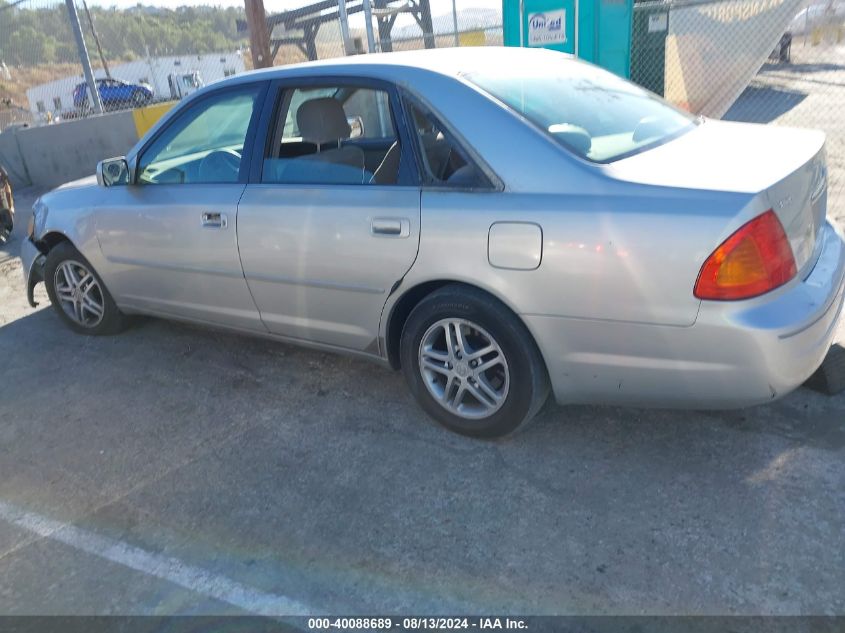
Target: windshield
column 590, row 111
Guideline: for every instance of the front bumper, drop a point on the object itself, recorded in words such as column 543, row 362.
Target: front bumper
column 32, row 261
column 736, row 354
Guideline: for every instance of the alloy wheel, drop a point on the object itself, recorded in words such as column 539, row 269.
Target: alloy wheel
column 79, row 293
column 464, row 368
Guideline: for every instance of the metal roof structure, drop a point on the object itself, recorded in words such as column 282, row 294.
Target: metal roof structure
column 299, row 27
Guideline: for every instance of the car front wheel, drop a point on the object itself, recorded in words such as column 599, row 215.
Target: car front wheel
column 6, row 225
column 78, row 294
column 471, row 363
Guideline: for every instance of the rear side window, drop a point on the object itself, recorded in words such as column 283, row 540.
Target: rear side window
column 334, row 135
column 445, row 163
column 590, row 111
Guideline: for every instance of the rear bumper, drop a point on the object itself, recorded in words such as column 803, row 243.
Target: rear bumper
column 736, row 353
column 32, row 261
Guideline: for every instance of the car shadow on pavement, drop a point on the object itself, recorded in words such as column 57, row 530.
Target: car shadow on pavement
column 166, row 356
column 818, row 67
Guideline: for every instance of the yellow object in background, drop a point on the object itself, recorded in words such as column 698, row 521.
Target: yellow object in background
column 472, row 38
column 147, row 116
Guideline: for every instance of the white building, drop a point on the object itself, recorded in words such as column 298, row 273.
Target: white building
column 56, row 97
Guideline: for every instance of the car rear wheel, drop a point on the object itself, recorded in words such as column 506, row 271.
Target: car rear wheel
column 471, row 364
column 829, row 378
column 139, row 98
column 78, row 295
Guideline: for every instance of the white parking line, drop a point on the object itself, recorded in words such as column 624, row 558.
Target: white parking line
column 164, row 567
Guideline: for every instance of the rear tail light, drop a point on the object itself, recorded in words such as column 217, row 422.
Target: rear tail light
column 752, row 261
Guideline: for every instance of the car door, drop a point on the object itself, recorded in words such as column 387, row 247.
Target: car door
column 330, row 220
column 171, row 236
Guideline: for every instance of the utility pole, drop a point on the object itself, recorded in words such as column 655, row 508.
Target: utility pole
column 83, row 57
column 259, row 36
column 96, row 39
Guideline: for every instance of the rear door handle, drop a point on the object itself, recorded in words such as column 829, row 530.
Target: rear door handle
column 213, row 220
column 391, row 227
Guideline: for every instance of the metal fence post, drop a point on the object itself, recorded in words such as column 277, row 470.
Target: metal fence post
column 343, row 17
column 83, row 57
column 455, row 21
column 368, row 19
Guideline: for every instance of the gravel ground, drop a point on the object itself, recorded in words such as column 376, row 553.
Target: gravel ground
column 175, row 469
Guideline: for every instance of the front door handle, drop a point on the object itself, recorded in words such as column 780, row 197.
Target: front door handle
column 391, row 227
column 213, row 220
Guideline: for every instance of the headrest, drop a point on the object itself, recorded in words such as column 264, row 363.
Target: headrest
column 322, row 120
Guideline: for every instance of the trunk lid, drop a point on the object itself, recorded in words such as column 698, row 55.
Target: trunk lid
column 781, row 168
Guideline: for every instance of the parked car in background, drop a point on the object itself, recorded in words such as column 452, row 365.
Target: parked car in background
column 505, row 222
column 816, row 15
column 183, row 84
column 782, row 52
column 114, row 94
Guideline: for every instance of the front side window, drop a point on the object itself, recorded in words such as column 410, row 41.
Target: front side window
column 342, row 135
column 203, row 145
column 590, row 111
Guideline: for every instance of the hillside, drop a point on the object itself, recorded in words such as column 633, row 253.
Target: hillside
column 37, row 45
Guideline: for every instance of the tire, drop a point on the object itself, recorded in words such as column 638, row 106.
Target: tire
column 829, row 378
column 74, row 300
column 139, row 99
column 6, row 226
column 516, row 373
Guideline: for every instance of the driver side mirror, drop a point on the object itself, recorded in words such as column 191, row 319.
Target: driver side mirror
column 113, row 171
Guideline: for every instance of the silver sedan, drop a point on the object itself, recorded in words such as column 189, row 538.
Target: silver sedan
column 498, row 223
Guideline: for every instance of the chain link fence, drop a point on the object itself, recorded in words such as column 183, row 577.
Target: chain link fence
column 146, row 54
column 762, row 61
column 302, row 32
column 36, row 46
column 140, row 55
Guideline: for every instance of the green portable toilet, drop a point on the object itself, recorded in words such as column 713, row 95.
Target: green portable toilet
column 648, row 45
column 598, row 31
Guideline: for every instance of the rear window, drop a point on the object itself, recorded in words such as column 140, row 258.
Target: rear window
column 590, row 111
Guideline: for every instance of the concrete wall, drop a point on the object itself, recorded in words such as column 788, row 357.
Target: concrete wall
column 11, row 159
column 55, row 154
column 51, row 155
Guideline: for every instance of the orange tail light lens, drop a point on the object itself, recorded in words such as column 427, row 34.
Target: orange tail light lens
column 757, row 258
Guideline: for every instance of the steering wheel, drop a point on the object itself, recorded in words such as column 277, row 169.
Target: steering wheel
column 222, row 165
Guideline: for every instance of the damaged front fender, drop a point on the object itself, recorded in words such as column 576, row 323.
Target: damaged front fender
column 32, row 261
